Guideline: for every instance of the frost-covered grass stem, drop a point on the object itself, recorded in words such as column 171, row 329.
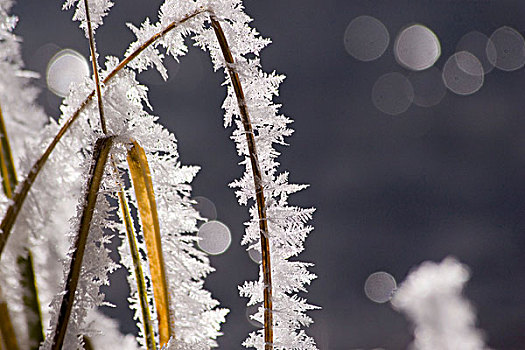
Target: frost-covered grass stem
column 95, row 69
column 257, row 180
column 100, row 156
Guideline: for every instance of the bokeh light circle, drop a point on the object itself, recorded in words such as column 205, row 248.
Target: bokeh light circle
column 205, row 207
column 366, row 38
column 66, row 67
column 417, row 47
column 480, row 46
column 215, row 237
column 428, row 87
column 392, row 93
column 510, row 48
column 255, row 255
column 463, row 73
column 380, row 286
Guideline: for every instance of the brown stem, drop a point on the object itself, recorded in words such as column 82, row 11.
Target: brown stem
column 100, row 156
column 95, row 69
column 257, row 180
column 22, row 190
column 7, row 331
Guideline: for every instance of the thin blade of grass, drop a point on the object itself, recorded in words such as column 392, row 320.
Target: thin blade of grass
column 31, row 301
column 100, row 156
column 141, row 178
column 6, row 328
column 9, row 179
column 139, row 274
column 257, row 179
column 20, row 195
column 25, row 263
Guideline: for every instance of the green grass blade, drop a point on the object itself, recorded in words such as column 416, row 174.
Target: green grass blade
column 96, row 173
column 139, row 275
column 141, row 178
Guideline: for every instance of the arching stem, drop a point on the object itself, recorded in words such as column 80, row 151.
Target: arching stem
column 257, row 180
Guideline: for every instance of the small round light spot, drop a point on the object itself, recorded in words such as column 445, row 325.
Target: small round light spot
column 215, row 237
column 392, row 93
column 65, row 68
column 480, row 46
column 428, row 86
column 463, row 73
column 366, row 38
column 255, row 255
column 205, row 207
column 417, row 47
column 380, row 286
column 510, row 49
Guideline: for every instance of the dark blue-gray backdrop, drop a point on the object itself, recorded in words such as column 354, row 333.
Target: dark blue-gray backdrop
column 390, row 191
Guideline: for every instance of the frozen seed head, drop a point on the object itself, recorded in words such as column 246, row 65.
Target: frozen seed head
column 480, row 46
column 215, row 237
column 510, row 49
column 380, row 287
column 66, row 67
column 392, row 93
column 366, row 38
column 463, row 73
column 417, row 47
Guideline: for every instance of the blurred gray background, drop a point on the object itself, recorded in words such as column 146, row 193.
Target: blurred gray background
column 391, row 191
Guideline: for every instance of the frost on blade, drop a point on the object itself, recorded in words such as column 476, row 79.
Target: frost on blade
column 98, row 9
column 431, row 297
column 95, row 269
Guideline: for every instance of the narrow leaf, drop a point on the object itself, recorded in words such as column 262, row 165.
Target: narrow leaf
column 141, row 177
column 257, row 180
column 25, row 263
column 139, row 275
column 6, row 328
column 31, row 301
column 100, row 156
column 7, row 167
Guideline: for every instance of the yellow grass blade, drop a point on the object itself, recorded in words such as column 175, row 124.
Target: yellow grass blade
column 100, row 156
column 139, row 275
column 141, row 177
column 9, row 179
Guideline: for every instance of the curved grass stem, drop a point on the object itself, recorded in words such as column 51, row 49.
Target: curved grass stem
column 257, row 180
